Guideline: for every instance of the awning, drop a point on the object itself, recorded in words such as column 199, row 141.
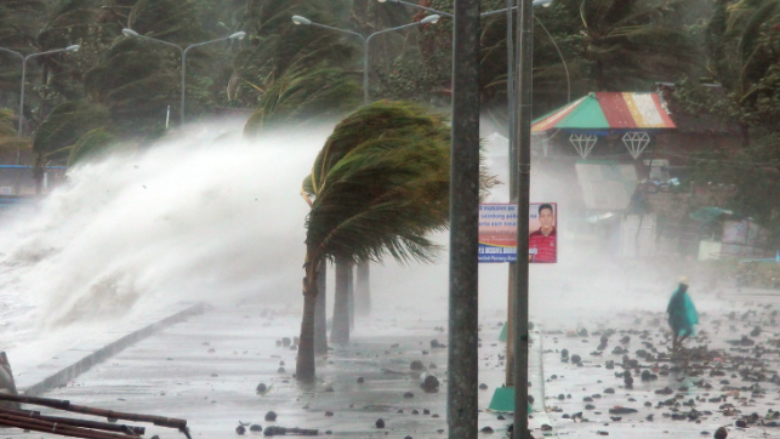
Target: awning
column 608, row 111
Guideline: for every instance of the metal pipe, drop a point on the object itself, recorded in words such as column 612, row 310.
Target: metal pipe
column 525, row 96
column 463, row 367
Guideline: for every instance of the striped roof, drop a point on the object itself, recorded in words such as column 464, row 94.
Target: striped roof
column 606, row 111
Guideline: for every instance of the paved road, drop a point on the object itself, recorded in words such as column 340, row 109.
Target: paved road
column 207, row 368
column 724, row 318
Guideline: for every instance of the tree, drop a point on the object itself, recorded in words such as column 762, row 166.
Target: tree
column 627, row 41
column 277, row 45
column 304, row 95
column 743, row 48
column 136, row 80
column 379, row 186
column 20, row 21
column 62, row 128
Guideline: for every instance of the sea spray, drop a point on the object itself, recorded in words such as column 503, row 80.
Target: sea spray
column 201, row 215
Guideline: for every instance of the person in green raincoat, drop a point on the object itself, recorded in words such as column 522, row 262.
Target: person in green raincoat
column 682, row 315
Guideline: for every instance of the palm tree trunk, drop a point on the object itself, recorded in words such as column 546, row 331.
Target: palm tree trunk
column 363, row 290
column 339, row 332
column 305, row 368
column 320, row 314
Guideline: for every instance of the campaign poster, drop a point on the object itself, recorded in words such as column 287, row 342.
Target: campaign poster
column 498, row 233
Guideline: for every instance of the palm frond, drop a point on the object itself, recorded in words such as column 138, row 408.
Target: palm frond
column 381, row 184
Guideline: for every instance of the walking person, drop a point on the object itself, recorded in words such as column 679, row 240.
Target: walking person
column 682, row 315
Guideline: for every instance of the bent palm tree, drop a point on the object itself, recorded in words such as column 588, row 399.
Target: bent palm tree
column 380, row 185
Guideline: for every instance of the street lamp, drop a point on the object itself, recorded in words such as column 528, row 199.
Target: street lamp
column 73, row 48
column 448, row 15
column 510, row 49
column 298, row 20
column 133, row 34
column 20, row 126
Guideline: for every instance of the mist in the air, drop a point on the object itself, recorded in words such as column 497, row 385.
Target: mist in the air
column 208, row 215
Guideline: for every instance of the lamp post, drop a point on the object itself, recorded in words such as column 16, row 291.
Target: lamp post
column 20, row 126
column 363, row 267
column 131, row 33
column 448, row 15
column 431, row 19
column 73, row 48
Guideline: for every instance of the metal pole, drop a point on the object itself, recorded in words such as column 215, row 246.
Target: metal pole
column 20, row 128
column 525, row 95
column 463, row 368
column 21, row 99
column 183, row 80
column 512, row 136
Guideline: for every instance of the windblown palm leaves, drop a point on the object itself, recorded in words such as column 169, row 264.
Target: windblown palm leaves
column 304, row 95
column 19, row 24
column 90, row 145
column 171, row 20
column 379, row 186
column 69, row 21
column 136, row 80
column 61, row 129
column 279, row 45
column 744, row 56
column 628, row 41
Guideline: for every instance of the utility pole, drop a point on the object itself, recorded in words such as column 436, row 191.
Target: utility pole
column 525, row 96
column 511, row 112
column 463, row 367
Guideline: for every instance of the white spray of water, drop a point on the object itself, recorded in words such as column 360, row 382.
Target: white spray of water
column 205, row 215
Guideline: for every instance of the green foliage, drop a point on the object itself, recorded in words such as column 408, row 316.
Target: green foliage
column 136, row 80
column 276, row 44
column 69, row 21
column 752, row 172
column 635, row 40
column 302, row 96
column 20, row 21
column 90, row 145
column 8, row 139
column 177, row 21
column 381, row 183
column 65, row 125
column 744, row 56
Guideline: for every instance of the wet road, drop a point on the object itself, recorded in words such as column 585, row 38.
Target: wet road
column 206, row 370
column 734, row 380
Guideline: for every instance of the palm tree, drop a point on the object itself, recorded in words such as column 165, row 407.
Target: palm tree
column 745, row 58
column 303, row 95
column 61, row 130
column 20, row 21
column 632, row 41
column 379, row 186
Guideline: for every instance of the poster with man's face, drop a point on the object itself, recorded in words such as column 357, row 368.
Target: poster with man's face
column 543, row 237
column 498, row 233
